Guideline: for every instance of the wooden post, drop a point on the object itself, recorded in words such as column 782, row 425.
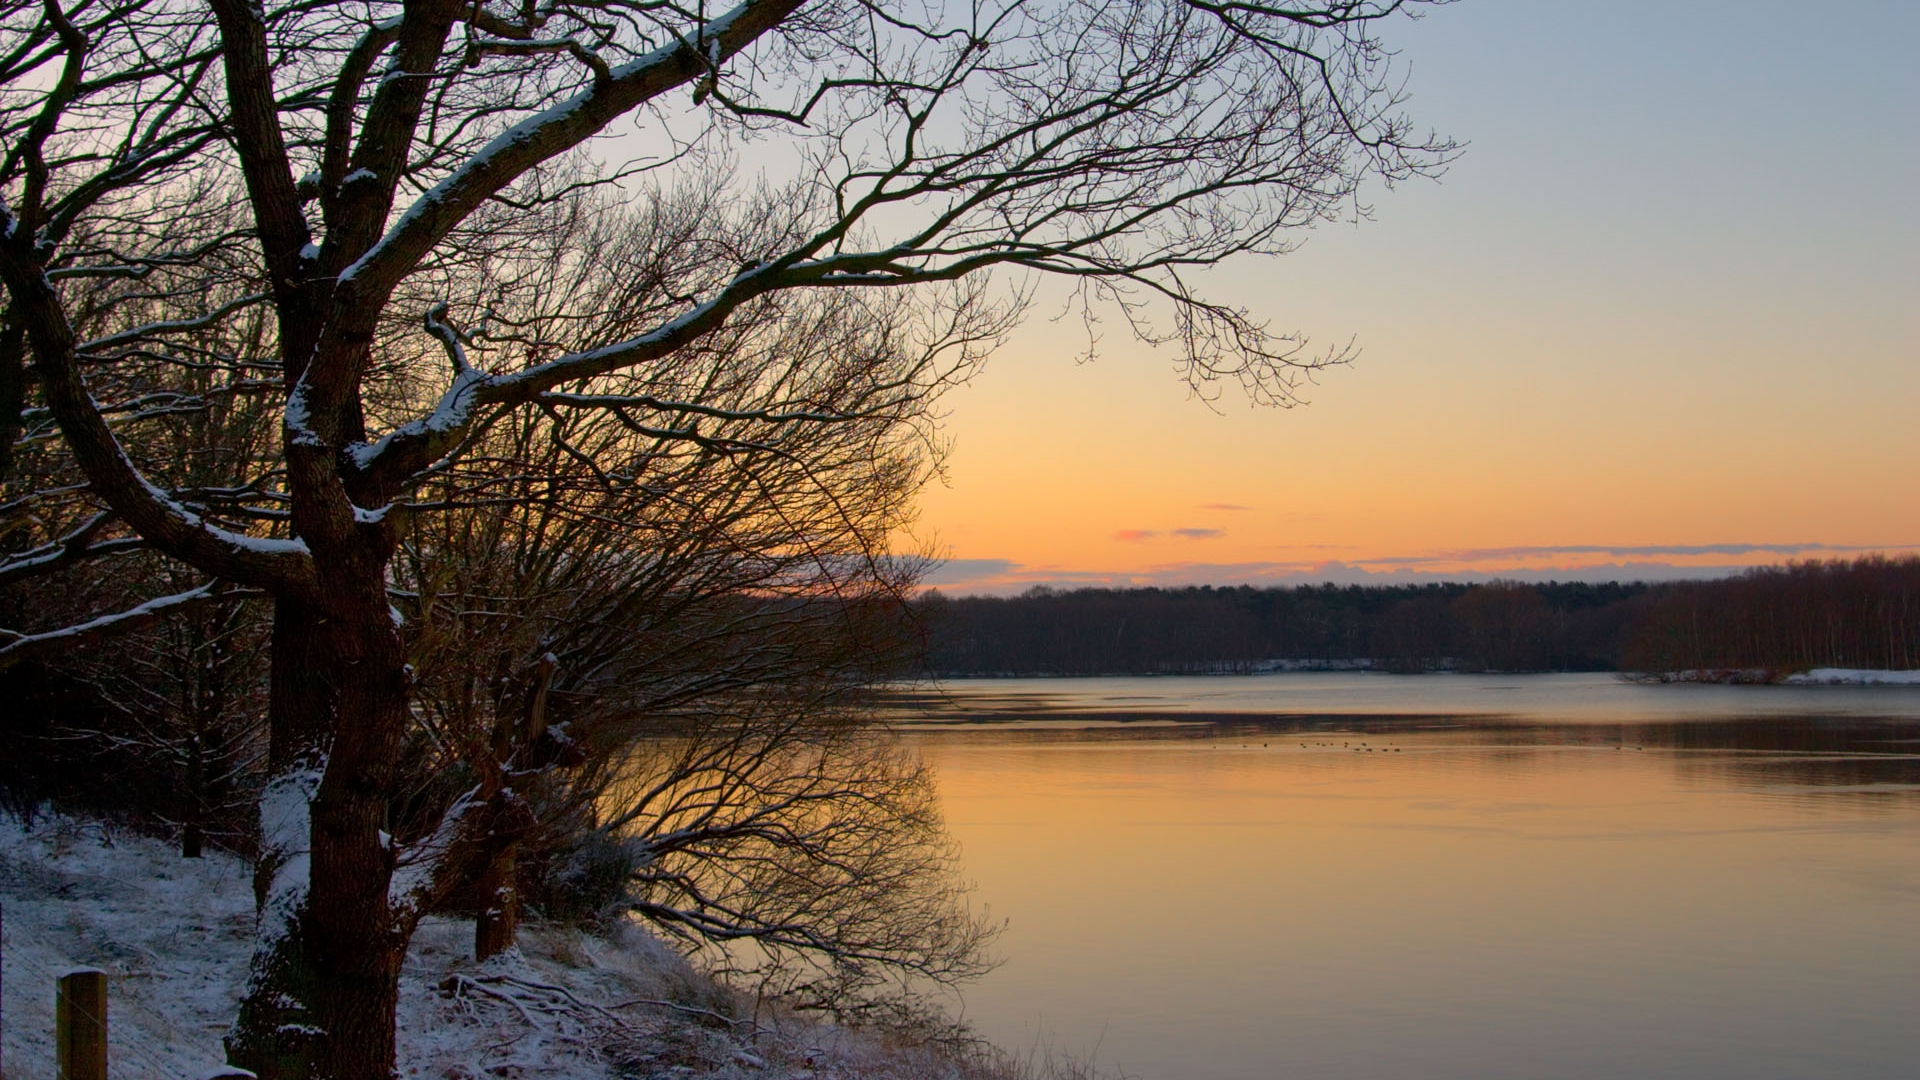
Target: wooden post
column 80, row 1024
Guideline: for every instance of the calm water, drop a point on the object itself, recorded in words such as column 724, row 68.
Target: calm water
column 1444, row 876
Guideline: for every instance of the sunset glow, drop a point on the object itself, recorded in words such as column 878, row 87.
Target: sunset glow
column 1633, row 332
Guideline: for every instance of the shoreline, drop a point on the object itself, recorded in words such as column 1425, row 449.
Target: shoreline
column 1731, row 676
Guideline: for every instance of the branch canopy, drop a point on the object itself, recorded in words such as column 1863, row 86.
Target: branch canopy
column 375, row 180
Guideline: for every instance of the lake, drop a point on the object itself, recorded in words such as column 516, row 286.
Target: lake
column 1445, row 876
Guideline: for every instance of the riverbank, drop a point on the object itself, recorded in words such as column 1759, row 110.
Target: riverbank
column 1826, row 676
column 174, row 936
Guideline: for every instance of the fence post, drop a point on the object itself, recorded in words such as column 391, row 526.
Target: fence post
column 80, row 1024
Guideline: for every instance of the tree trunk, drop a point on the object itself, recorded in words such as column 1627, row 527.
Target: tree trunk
column 497, row 901
column 192, row 832
column 359, row 940
column 325, row 972
column 276, row 1034
column 498, row 904
column 13, row 388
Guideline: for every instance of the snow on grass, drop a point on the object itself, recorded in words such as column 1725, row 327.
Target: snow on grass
column 171, row 933
column 174, row 936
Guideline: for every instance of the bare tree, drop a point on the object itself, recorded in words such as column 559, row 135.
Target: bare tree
column 379, row 148
column 177, row 686
column 669, row 615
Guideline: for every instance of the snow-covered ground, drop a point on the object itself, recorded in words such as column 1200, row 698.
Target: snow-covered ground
column 1834, row 676
column 174, row 934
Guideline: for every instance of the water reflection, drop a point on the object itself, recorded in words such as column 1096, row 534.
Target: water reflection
column 1350, row 879
column 1863, row 740
column 1557, row 698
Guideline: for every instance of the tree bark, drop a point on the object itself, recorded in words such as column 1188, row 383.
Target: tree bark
column 13, row 388
column 359, row 939
column 498, row 905
column 192, row 831
column 276, row 1035
column 497, row 898
column 325, row 973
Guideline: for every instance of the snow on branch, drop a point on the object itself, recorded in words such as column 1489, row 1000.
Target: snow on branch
column 26, row 646
column 171, row 326
column 71, row 548
column 648, row 401
column 421, row 868
column 554, row 131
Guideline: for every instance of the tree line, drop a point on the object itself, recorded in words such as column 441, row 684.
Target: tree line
column 1859, row 613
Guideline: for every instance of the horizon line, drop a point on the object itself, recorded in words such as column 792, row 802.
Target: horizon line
column 1003, row 577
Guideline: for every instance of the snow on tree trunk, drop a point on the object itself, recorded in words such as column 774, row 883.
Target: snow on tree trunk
column 276, row 1035
column 325, row 972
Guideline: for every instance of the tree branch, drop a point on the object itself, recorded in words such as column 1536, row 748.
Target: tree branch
column 28, row 646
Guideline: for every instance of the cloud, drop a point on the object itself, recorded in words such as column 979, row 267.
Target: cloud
column 1135, row 536
column 1019, row 578
column 1621, row 551
column 957, row 571
column 1224, row 506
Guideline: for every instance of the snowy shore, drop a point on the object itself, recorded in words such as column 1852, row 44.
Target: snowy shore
column 174, row 935
column 1833, row 676
column 1826, row 676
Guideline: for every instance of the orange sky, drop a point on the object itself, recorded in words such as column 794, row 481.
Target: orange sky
column 1660, row 305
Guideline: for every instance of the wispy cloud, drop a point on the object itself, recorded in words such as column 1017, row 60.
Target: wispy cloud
column 1018, row 578
column 1224, row 506
column 1135, row 536
column 1618, row 551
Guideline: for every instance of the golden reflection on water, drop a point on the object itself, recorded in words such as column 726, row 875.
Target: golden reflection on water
column 1412, row 898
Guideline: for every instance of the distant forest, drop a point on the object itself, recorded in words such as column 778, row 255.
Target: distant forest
column 1863, row 613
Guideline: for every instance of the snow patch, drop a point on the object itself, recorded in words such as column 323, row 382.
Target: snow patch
column 175, row 935
column 286, row 815
column 1833, row 676
column 1826, row 676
